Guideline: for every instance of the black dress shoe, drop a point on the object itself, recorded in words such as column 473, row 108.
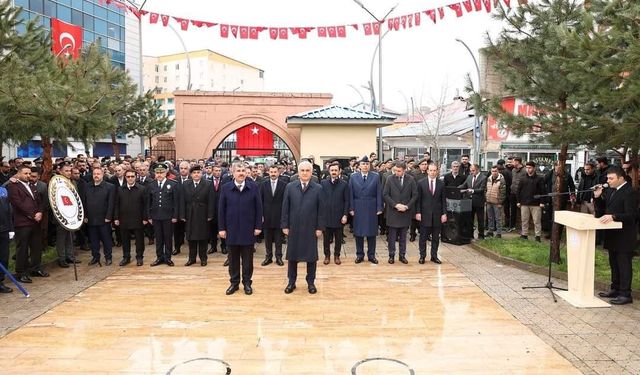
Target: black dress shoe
column 412, row 238
column 226, row 263
column 175, row 252
column 189, row 262
column 421, row 260
column 436, row 260
column 211, row 251
column 118, row 244
column 39, row 273
column 5, row 289
column 25, row 279
column 125, row 261
column 63, row 264
column 94, row 261
column 373, row 260
column 290, row 288
column 279, row 262
column 267, row 262
column 71, row 261
column 232, row 289
column 169, row 263
column 224, row 250
column 609, row 294
column 248, row 290
column 621, row 300
column 108, row 262
column 157, row 262
column 203, row 263
column 359, row 260
column 404, row 260
column 139, row 262
column 391, row 261
column 312, row 289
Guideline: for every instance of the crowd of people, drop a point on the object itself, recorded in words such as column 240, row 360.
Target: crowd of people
column 211, row 204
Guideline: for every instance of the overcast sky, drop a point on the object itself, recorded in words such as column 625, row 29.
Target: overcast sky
column 417, row 62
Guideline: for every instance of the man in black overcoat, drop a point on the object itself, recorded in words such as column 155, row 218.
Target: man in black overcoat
column 272, row 193
column 197, row 213
column 335, row 203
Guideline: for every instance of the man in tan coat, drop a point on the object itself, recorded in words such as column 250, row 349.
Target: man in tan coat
column 496, row 194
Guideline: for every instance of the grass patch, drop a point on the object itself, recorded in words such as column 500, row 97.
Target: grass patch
column 538, row 253
column 49, row 254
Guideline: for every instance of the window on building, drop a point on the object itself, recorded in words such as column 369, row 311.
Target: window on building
column 36, row 6
column 165, row 79
column 50, row 9
column 87, row 6
column 165, row 67
column 242, row 81
column 261, row 73
column 160, row 101
column 77, row 4
column 100, row 26
column 157, row 79
column 100, row 12
column 64, row 13
column 157, row 68
column 170, row 100
column 158, row 90
column 177, row 66
column 171, row 112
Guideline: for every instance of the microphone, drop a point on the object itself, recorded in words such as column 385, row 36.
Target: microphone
column 596, row 187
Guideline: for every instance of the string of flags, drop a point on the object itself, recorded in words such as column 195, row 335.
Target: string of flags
column 398, row 23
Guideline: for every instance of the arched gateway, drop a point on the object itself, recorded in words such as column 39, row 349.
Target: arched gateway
column 204, row 120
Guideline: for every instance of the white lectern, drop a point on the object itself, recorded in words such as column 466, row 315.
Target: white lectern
column 581, row 246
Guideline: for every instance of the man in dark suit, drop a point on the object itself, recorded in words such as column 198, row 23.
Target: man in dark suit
column 335, row 203
column 118, row 181
column 99, row 210
column 216, row 180
column 618, row 203
column 365, row 204
column 240, row 221
column 197, row 213
column 476, row 185
column 27, row 215
column 163, row 210
column 7, row 232
column 272, row 192
column 454, row 178
column 179, row 226
column 400, row 196
column 431, row 213
column 130, row 217
column 303, row 222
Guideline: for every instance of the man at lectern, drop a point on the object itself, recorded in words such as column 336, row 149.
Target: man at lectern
column 619, row 203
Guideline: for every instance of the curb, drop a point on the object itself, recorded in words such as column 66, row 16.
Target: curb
column 598, row 285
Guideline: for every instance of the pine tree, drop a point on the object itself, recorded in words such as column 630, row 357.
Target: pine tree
column 144, row 118
column 532, row 55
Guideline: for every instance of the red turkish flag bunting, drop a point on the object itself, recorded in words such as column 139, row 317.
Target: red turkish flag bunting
column 467, row 5
column 254, row 31
column 403, row 21
column 457, row 8
column 224, row 30
column 322, row 32
column 283, row 33
column 431, row 14
column 376, row 28
column 254, row 140
column 273, row 33
column 410, row 20
column 234, row 30
column 165, row 19
column 416, row 19
column 441, row 12
column 477, row 4
column 244, row 32
column 184, row 23
column 303, row 31
column 331, row 30
column 153, row 17
column 487, row 5
column 367, row 29
column 396, row 23
column 134, row 10
column 355, row 26
column 67, row 38
column 202, row 23
column 390, row 23
column 342, row 31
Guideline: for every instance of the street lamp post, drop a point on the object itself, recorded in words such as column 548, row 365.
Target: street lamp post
column 379, row 48
column 477, row 129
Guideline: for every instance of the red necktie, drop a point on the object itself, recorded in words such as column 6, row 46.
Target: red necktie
column 215, row 183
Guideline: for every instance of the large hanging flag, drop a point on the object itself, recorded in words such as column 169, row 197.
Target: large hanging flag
column 254, row 140
column 67, row 38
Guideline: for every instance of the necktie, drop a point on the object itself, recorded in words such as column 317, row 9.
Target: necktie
column 364, row 178
column 473, row 182
column 160, row 185
column 195, row 185
column 400, row 180
column 433, row 191
column 215, row 183
column 273, row 188
column 304, row 187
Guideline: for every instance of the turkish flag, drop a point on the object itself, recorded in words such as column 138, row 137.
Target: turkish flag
column 283, row 33
column 487, row 5
column 441, row 12
column 431, row 14
column 153, row 17
column 416, row 19
column 224, row 31
column 403, row 21
column 67, row 38
column 367, row 28
column 254, row 140
column 331, row 30
column 303, row 31
column 478, row 5
column 234, row 30
column 396, row 23
column 244, row 32
column 253, row 32
column 376, row 28
column 467, row 5
column 322, row 32
column 165, row 19
column 184, row 23
column 410, row 20
column 202, row 23
column 342, row 31
column 390, row 24
column 457, row 8
column 273, row 32
column 66, row 200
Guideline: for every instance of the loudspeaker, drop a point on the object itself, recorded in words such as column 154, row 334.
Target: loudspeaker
column 458, row 230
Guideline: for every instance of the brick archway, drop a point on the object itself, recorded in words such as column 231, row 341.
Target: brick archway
column 292, row 142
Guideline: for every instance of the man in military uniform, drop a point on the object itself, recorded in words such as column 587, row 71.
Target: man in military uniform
column 163, row 211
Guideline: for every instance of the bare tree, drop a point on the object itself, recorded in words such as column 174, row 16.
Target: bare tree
column 432, row 121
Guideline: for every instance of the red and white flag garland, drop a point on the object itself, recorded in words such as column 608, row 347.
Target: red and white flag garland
column 338, row 31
